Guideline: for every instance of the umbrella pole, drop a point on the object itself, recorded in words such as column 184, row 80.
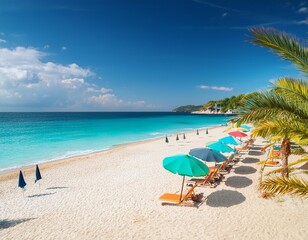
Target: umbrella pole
column 182, row 189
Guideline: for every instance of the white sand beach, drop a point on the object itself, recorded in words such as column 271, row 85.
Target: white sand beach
column 115, row 195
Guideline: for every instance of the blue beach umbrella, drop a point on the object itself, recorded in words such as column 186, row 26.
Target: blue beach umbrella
column 21, row 180
column 37, row 174
column 185, row 165
column 245, row 127
column 220, row 147
column 230, row 140
column 207, row 154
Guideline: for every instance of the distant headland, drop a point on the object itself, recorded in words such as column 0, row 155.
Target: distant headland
column 226, row 106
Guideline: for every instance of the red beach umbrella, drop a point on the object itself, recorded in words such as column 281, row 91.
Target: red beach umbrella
column 237, row 134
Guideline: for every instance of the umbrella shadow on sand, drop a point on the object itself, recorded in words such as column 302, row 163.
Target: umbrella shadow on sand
column 49, row 188
column 250, row 160
column 225, row 198
column 245, row 170
column 255, row 153
column 238, row 182
column 41, row 195
column 6, row 223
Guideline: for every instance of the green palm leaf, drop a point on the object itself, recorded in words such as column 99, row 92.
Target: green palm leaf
column 281, row 186
column 286, row 46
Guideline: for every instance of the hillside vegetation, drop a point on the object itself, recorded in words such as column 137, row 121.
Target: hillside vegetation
column 225, row 104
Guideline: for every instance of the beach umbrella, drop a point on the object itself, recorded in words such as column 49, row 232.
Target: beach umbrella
column 184, row 137
column 245, row 127
column 21, row 180
column 206, row 131
column 177, row 137
column 185, row 165
column 197, row 132
column 37, row 174
column 241, row 129
column 230, row 140
column 237, row 134
column 166, row 140
column 220, row 147
column 207, row 154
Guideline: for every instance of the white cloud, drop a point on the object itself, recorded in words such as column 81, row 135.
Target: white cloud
column 63, row 48
column 2, row 40
column 215, row 88
column 107, row 99
column 46, row 46
column 96, row 90
column 29, row 82
column 303, row 22
column 224, row 14
column 303, row 10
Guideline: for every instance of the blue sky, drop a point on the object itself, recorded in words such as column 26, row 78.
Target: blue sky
column 137, row 55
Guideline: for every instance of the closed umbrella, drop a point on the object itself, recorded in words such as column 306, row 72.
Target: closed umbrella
column 185, row 165
column 37, row 174
column 21, row 181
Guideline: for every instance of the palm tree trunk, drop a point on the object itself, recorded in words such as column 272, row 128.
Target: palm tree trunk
column 285, row 152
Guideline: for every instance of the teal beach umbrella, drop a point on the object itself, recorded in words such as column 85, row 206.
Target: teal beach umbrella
column 245, row 127
column 230, row 140
column 220, row 147
column 185, row 165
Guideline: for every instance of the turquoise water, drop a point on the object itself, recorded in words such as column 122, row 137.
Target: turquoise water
column 28, row 138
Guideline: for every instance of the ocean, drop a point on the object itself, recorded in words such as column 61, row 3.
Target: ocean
column 30, row 138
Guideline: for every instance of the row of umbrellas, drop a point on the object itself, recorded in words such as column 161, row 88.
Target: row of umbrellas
column 189, row 165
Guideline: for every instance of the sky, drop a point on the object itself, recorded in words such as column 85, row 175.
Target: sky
column 138, row 55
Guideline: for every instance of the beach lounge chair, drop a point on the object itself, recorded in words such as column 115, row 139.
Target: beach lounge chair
column 242, row 148
column 175, row 199
column 209, row 179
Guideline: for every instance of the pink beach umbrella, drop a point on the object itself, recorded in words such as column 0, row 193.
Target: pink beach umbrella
column 237, row 134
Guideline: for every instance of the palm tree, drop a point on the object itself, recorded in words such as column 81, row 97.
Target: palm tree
column 281, row 112
column 280, row 115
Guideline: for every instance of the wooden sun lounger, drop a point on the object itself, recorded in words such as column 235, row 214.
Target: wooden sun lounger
column 175, row 199
column 209, row 179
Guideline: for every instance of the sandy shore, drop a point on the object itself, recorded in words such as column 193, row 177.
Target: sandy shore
column 115, row 195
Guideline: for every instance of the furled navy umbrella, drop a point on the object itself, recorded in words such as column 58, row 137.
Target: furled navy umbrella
column 177, row 137
column 184, row 137
column 166, row 140
column 37, row 174
column 21, row 181
column 197, row 132
column 206, row 131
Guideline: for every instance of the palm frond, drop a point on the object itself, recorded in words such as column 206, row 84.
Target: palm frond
column 268, row 105
column 280, row 186
column 292, row 89
column 278, row 170
column 297, row 131
column 286, row 46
